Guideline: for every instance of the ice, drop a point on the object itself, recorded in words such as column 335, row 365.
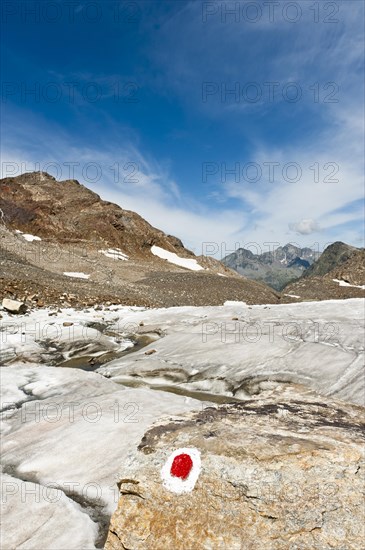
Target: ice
column 38, row 517
column 318, row 344
column 175, row 259
column 73, row 431
column 216, row 349
column 39, row 338
column 12, row 393
column 76, row 274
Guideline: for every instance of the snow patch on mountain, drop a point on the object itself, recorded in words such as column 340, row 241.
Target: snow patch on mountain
column 175, row 259
column 115, row 254
column 345, row 283
column 27, row 236
column 76, row 275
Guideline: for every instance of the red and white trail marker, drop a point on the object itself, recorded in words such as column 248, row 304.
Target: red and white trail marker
column 181, row 470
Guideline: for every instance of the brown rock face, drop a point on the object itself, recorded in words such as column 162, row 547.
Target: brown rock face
column 283, row 471
column 66, row 210
column 352, row 271
column 325, row 288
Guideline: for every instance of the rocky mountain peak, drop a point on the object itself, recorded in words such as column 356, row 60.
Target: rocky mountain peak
column 334, row 255
column 67, row 210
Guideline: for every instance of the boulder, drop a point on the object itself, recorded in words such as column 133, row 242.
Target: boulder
column 14, row 306
column 284, row 470
column 150, row 351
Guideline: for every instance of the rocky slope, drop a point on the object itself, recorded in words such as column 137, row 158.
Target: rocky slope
column 67, row 211
column 345, row 280
column 61, row 244
column 283, row 470
column 333, row 256
column 352, row 271
column 49, row 228
column 275, row 268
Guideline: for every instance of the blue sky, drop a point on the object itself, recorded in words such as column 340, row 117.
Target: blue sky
column 216, row 126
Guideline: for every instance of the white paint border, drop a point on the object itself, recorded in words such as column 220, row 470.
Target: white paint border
column 176, row 484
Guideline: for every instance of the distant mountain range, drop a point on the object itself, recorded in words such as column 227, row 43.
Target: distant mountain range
column 305, row 274
column 275, row 268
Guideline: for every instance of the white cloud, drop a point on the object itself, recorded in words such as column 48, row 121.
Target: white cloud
column 142, row 184
column 305, row 227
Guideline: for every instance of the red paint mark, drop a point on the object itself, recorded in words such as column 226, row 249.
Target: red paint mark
column 181, row 466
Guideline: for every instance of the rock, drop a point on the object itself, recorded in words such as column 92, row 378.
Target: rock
column 14, row 306
column 150, row 351
column 282, row 471
column 67, row 324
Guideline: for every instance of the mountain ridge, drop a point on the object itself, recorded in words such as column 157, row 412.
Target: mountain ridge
column 275, row 268
column 333, row 256
column 37, row 202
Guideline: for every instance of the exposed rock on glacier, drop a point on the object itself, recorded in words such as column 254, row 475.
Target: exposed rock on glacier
column 281, row 471
column 14, row 306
